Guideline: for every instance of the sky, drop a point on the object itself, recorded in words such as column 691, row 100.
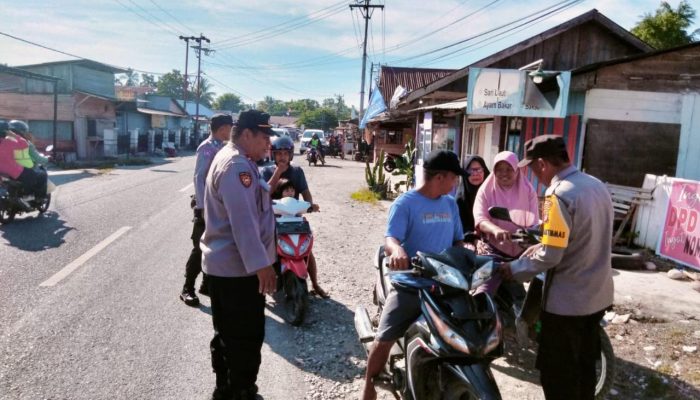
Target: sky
column 286, row 49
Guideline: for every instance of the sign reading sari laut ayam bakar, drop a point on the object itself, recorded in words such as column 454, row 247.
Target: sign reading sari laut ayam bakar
column 680, row 235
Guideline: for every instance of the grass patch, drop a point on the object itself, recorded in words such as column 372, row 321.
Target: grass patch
column 365, row 196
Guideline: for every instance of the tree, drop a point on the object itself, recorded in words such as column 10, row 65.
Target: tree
column 148, row 81
column 170, row 84
column 298, row 107
column 228, row 102
column 272, row 106
column 667, row 28
column 206, row 96
column 129, row 78
column 321, row 118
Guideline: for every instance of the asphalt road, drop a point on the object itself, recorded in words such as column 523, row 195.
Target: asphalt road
column 114, row 328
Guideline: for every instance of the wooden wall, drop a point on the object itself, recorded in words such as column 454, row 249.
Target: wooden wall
column 670, row 72
column 582, row 45
column 35, row 106
column 622, row 152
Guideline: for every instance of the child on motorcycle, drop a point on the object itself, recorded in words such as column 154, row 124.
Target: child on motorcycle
column 285, row 188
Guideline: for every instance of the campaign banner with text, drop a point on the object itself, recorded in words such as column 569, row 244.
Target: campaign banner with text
column 680, row 235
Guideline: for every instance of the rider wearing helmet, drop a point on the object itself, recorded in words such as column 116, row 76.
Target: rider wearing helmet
column 282, row 150
column 22, row 129
column 316, row 143
column 11, row 147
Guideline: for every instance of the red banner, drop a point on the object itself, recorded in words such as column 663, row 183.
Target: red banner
column 680, row 236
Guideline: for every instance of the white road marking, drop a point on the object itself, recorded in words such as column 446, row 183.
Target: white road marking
column 68, row 269
column 186, row 188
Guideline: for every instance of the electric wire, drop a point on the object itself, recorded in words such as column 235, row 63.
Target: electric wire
column 177, row 20
column 280, row 31
column 494, row 39
column 489, row 31
column 267, row 29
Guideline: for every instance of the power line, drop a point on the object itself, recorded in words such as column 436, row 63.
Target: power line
column 267, row 29
column 496, row 38
column 485, row 32
column 76, row 56
column 155, row 23
column 280, row 31
column 187, row 28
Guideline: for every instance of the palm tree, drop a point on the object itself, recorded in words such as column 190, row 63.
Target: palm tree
column 206, row 95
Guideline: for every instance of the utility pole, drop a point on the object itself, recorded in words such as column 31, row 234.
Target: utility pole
column 366, row 10
column 187, row 54
column 199, row 86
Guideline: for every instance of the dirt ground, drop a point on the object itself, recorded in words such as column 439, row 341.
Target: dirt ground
column 651, row 361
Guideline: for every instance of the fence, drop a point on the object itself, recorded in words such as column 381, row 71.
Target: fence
column 650, row 215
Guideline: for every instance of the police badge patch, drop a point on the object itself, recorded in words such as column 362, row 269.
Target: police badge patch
column 245, row 178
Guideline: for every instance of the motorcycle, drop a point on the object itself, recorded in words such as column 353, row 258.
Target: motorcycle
column 313, row 157
column 446, row 353
column 389, row 162
column 528, row 311
column 13, row 200
column 294, row 243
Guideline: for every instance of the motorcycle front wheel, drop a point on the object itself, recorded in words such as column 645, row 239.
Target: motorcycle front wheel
column 605, row 366
column 296, row 298
column 389, row 165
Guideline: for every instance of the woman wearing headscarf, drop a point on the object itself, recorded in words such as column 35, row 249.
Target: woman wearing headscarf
column 477, row 172
column 509, row 188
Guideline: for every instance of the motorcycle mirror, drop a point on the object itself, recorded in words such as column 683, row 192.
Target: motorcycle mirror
column 49, row 148
column 500, row 213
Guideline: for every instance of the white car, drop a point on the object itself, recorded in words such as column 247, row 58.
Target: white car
column 306, row 138
column 281, row 131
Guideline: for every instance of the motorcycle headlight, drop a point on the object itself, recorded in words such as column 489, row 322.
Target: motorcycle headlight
column 482, row 274
column 305, row 245
column 286, row 248
column 448, row 275
column 448, row 334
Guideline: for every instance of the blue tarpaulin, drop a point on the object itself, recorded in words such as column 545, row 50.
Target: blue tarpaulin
column 376, row 106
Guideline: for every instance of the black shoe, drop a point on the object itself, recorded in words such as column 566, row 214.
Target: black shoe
column 248, row 394
column 189, row 297
column 204, row 289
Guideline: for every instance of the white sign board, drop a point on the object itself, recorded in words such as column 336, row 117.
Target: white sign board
column 513, row 93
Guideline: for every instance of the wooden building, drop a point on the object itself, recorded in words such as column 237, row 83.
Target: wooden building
column 85, row 108
column 642, row 115
column 588, row 39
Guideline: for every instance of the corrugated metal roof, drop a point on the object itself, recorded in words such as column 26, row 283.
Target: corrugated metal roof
column 410, row 78
column 453, row 105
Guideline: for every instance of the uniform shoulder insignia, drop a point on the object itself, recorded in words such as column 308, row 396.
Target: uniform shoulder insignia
column 246, row 179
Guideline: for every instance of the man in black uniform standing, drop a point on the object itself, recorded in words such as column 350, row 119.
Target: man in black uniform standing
column 220, row 132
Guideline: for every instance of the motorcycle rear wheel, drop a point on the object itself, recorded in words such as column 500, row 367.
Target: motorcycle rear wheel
column 7, row 215
column 44, row 204
column 296, row 299
column 389, row 165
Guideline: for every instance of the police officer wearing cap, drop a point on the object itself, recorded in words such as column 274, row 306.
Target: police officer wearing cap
column 424, row 219
column 220, row 126
column 575, row 253
column 238, row 248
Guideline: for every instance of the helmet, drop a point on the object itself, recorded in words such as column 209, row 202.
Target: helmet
column 283, row 143
column 19, row 127
column 4, row 126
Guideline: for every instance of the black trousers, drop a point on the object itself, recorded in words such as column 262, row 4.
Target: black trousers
column 568, row 349
column 238, row 313
column 194, row 262
column 34, row 181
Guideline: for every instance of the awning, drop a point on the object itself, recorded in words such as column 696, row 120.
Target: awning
column 454, row 105
column 159, row 112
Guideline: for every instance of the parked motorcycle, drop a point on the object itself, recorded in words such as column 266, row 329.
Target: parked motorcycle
column 446, row 353
column 530, row 309
column 389, row 162
column 294, row 243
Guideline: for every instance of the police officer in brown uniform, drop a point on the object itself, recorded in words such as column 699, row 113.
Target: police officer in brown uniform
column 238, row 248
